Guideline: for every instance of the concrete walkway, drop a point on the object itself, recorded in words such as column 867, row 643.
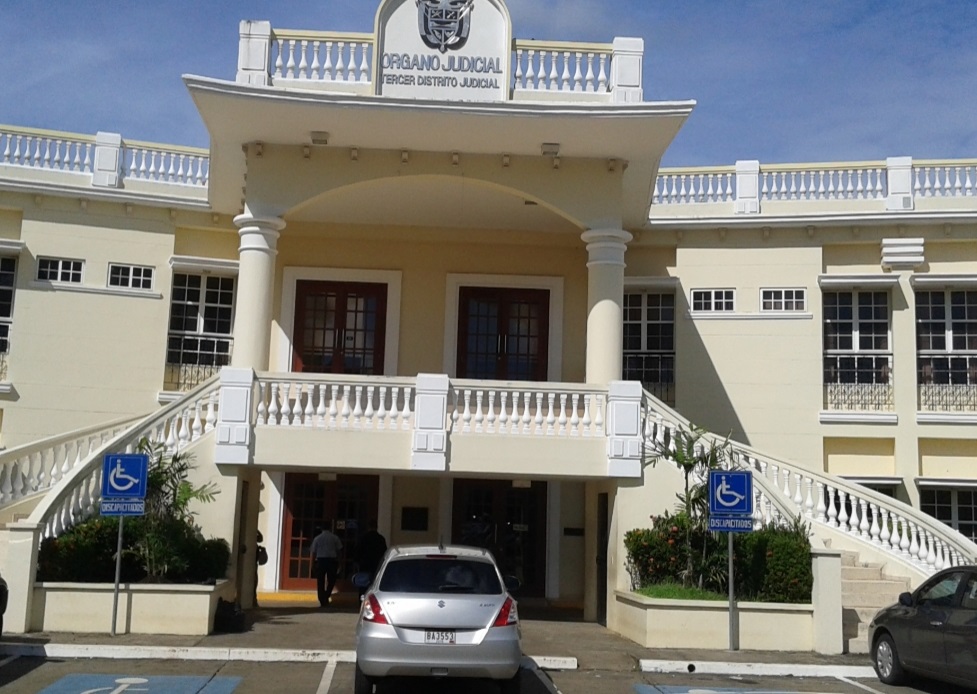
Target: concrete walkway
column 556, row 640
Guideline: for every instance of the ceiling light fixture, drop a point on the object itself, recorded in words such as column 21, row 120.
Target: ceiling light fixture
column 550, row 149
column 354, row 154
column 319, row 137
column 404, row 156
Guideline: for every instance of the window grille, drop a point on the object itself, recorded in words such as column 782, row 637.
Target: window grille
column 201, row 327
column 649, row 342
column 130, row 276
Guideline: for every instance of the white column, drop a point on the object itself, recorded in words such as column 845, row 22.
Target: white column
column 256, row 275
column 20, row 571
column 605, row 294
column 899, row 177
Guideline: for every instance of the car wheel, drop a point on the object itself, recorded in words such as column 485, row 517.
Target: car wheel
column 511, row 686
column 361, row 683
column 885, row 658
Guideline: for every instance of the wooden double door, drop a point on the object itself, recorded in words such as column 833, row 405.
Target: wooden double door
column 345, row 504
column 508, row 520
column 503, row 333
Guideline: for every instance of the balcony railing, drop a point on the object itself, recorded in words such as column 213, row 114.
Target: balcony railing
column 70, row 154
column 343, row 61
column 858, row 383
column 894, row 185
column 947, row 383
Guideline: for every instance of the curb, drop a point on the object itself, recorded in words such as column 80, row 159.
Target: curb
column 759, row 669
column 263, row 655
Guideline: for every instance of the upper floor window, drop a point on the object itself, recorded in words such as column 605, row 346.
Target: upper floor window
column 130, row 276
column 857, row 356
column 201, row 325
column 704, row 300
column 59, row 270
column 946, row 359
column 649, row 342
column 783, row 300
column 8, row 274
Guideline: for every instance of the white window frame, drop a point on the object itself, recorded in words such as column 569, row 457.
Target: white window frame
column 954, row 491
column 9, row 320
column 715, row 297
column 61, row 268
column 778, row 296
column 130, row 276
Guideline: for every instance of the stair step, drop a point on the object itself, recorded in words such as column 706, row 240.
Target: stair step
column 861, row 573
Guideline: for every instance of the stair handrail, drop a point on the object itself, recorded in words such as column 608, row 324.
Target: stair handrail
column 897, row 528
column 33, row 468
column 175, row 426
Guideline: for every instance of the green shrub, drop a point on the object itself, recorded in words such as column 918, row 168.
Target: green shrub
column 771, row 565
column 86, row 553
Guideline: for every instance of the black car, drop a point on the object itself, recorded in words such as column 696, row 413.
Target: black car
column 931, row 631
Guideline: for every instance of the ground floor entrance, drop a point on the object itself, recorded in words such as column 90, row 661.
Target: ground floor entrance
column 505, row 516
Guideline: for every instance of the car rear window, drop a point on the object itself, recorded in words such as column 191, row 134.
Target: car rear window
column 434, row 575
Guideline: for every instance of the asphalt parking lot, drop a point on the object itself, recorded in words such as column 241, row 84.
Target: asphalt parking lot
column 24, row 675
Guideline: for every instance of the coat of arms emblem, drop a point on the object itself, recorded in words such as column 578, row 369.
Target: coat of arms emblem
column 444, row 24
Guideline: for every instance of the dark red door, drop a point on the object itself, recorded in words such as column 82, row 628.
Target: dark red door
column 339, row 327
column 503, row 334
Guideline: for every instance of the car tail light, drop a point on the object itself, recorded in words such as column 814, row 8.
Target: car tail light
column 372, row 612
column 508, row 615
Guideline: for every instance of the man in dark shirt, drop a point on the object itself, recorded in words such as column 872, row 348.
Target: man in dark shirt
column 371, row 550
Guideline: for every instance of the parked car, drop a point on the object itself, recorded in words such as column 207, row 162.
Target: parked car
column 931, row 631
column 438, row 611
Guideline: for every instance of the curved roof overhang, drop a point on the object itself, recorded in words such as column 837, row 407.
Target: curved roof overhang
column 635, row 135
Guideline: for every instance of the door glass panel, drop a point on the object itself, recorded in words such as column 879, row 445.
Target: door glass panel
column 503, row 333
column 339, row 327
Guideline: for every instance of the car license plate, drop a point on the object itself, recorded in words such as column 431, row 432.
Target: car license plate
column 440, row 636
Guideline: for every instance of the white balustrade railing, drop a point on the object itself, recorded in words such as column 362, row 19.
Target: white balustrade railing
column 695, row 185
column 559, row 66
column 526, row 409
column 784, row 490
column 143, row 161
column 862, row 181
column 36, row 467
column 952, row 179
column 343, row 402
column 321, row 56
column 76, row 495
column 42, row 149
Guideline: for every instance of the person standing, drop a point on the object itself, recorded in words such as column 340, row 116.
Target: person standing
column 372, row 547
column 325, row 549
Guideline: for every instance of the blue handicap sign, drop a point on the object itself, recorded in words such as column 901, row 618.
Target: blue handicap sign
column 124, row 476
column 730, row 493
column 123, row 684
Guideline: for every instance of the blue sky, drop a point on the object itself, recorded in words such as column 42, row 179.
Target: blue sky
column 775, row 80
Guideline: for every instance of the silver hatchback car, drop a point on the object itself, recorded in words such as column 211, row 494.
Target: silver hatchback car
column 438, row 611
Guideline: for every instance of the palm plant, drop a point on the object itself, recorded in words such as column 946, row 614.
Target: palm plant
column 695, row 454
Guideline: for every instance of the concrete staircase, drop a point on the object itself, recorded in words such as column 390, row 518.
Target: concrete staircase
column 865, row 589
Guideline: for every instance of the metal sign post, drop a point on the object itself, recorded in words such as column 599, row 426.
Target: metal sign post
column 731, row 511
column 123, row 494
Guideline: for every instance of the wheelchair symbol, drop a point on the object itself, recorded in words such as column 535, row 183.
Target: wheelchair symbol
column 120, row 480
column 123, row 683
column 727, row 496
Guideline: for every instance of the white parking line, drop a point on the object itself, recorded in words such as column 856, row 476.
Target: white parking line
column 859, row 685
column 8, row 659
column 326, row 680
column 758, row 669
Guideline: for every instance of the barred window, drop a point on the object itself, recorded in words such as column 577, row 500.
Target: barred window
column 706, row 300
column 946, row 337
column 783, row 300
column 59, row 270
column 201, row 326
column 8, row 274
column 856, row 337
column 130, row 276
column 649, row 342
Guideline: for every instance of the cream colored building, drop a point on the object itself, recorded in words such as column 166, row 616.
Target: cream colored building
column 454, row 292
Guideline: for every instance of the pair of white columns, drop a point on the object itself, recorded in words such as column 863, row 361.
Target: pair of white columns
column 259, row 248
